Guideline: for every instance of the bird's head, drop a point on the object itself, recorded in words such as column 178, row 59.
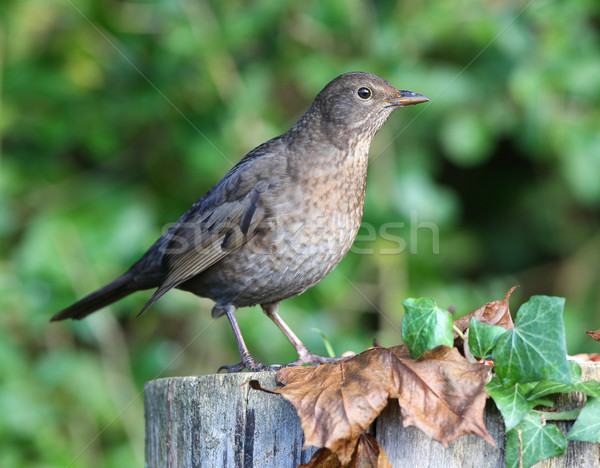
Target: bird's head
column 360, row 102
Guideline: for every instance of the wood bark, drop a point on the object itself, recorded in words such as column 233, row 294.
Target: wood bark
column 218, row 421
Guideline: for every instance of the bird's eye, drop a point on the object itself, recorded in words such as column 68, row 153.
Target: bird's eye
column 364, row 93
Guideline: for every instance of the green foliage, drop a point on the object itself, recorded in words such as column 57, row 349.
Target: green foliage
column 513, row 401
column 536, row 348
column 116, row 116
column 587, row 426
column 521, row 383
column 483, row 338
column 425, row 326
column 326, row 343
column 535, row 441
column 548, row 387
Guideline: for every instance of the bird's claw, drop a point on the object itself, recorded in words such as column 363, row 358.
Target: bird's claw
column 314, row 359
column 305, row 357
column 232, row 369
column 252, row 367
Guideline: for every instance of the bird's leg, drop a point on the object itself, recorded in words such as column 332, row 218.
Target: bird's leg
column 304, row 355
column 248, row 361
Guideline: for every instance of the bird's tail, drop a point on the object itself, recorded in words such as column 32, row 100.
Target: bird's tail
column 112, row 292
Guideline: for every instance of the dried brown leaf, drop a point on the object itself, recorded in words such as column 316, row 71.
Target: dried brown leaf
column 441, row 393
column 594, row 335
column 337, row 402
column 368, row 454
column 323, row 458
column 492, row 313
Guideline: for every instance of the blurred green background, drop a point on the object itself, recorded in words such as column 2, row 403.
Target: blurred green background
column 116, row 116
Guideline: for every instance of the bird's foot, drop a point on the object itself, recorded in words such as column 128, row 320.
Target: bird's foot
column 306, row 357
column 256, row 368
column 232, row 369
column 248, row 362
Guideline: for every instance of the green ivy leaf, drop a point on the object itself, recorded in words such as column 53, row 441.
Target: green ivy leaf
column 425, row 326
column 483, row 338
column 539, row 442
column 536, row 349
column 548, row 387
column 587, row 425
column 512, row 400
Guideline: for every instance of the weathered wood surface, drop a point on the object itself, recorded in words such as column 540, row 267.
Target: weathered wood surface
column 217, row 421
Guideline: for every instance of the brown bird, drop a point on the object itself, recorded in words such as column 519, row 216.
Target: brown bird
column 278, row 222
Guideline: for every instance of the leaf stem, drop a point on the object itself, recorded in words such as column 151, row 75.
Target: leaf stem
column 326, row 341
column 458, row 332
column 559, row 415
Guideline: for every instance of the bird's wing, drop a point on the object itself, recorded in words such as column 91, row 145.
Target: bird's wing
column 224, row 219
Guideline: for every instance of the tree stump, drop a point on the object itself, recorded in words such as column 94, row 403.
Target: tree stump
column 218, row 421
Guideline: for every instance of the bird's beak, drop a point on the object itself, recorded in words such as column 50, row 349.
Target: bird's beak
column 407, row 98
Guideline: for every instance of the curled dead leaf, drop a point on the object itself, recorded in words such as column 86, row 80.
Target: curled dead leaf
column 446, row 396
column 337, row 402
column 323, row 458
column 594, row 335
column 492, row 313
column 368, row 454
column 441, row 393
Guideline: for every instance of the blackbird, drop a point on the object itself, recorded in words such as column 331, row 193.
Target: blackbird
column 278, row 222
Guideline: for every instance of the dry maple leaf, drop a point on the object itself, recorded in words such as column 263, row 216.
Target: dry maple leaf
column 492, row 313
column 441, row 393
column 322, row 458
column 445, row 395
column 368, row 454
column 337, row 402
column 594, row 335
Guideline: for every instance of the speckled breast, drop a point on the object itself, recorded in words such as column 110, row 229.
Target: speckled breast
column 304, row 238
